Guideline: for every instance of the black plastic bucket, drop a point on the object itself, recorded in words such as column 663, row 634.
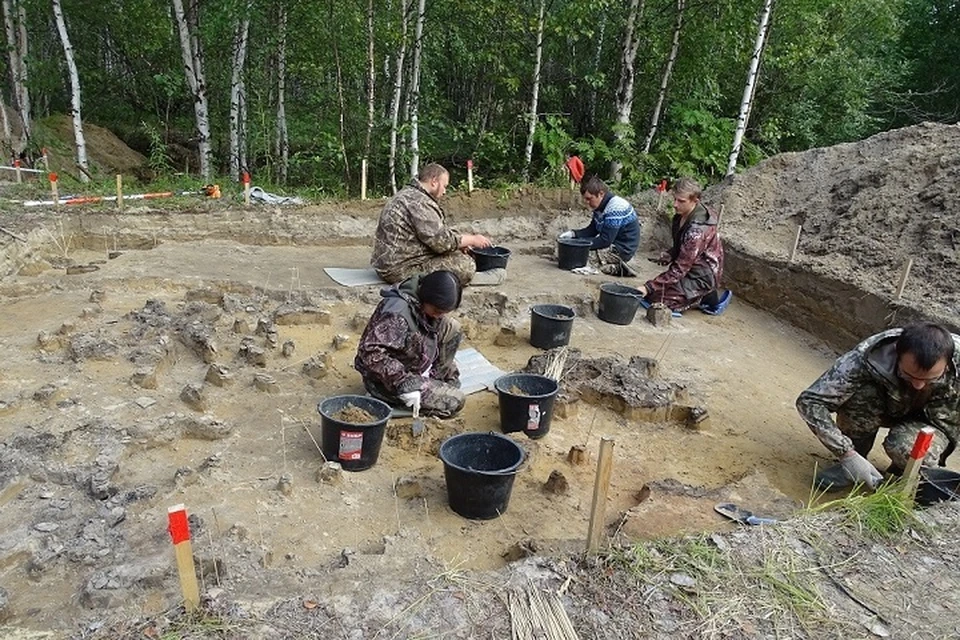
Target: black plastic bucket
column 618, row 303
column 479, row 469
column 526, row 403
column 356, row 446
column 550, row 325
column 937, row 485
column 573, row 253
column 491, row 258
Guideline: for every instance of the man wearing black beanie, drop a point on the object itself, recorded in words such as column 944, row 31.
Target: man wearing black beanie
column 406, row 353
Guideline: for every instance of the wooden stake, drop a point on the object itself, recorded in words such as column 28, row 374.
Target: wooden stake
column 16, row 165
column 246, row 188
column 911, row 474
column 363, row 179
column 180, row 533
column 469, row 176
column 119, row 192
column 54, row 191
column 796, row 243
column 903, row 278
column 46, row 161
column 600, row 487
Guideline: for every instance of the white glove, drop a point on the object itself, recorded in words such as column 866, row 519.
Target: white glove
column 412, row 400
column 860, row 470
column 566, row 234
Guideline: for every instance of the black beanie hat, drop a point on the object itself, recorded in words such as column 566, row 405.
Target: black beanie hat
column 441, row 289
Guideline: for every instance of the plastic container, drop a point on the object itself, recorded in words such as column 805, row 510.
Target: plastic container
column 491, row 258
column 550, row 325
column 356, row 446
column 618, row 303
column 937, row 485
column 526, row 403
column 573, row 253
column 479, row 469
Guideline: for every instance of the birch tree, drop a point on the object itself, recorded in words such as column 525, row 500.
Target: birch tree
column 371, row 81
column 665, row 80
column 748, row 90
column 78, row 139
column 535, row 93
column 282, row 138
column 7, row 133
column 15, row 24
column 340, row 102
column 415, row 92
column 238, row 95
column 624, row 102
column 188, row 28
column 405, row 7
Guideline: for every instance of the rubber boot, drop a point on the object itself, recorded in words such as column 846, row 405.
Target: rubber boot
column 489, row 278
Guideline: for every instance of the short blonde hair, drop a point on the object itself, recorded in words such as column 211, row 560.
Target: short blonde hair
column 687, row 187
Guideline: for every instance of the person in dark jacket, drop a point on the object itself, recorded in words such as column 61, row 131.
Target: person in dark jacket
column 406, row 353
column 902, row 380
column 695, row 261
column 614, row 230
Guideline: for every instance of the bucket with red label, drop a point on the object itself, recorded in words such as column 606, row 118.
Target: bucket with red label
column 526, row 403
column 352, row 429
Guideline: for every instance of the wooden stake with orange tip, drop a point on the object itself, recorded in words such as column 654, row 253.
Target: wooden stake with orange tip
column 911, row 474
column 246, row 188
column 180, row 533
column 600, row 487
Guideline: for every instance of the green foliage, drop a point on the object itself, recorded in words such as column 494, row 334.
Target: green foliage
column 697, row 143
column 885, row 513
column 158, row 159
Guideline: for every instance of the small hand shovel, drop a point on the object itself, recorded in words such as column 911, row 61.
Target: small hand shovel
column 417, row 422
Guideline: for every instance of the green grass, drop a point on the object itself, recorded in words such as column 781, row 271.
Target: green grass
column 886, row 512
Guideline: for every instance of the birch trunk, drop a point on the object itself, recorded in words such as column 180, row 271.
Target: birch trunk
column 597, row 53
column 665, row 80
column 397, row 91
column 7, row 133
column 415, row 93
column 238, row 95
column 14, row 20
column 187, row 27
column 371, row 81
column 341, row 104
column 627, row 77
column 748, row 90
column 283, row 139
column 79, row 141
column 535, row 94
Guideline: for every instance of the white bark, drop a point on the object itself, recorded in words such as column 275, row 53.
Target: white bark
column 79, row 141
column 748, row 90
column 371, row 80
column 415, row 93
column 665, row 80
column 7, row 133
column 14, row 19
column 283, row 139
column 341, row 104
column 397, row 91
column 187, row 27
column 535, row 95
column 238, row 90
column 624, row 102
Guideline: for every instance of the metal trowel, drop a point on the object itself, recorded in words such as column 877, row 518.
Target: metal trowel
column 417, row 422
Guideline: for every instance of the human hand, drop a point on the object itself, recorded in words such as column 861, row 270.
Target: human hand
column 475, row 241
column 643, row 290
column 664, row 258
column 412, row 400
column 860, row 470
column 566, row 234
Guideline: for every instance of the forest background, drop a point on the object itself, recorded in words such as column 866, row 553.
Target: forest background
column 303, row 94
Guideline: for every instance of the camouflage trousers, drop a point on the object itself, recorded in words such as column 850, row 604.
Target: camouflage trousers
column 899, row 441
column 460, row 263
column 608, row 261
column 440, row 395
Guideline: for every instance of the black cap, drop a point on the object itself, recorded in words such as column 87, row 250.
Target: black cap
column 441, row 289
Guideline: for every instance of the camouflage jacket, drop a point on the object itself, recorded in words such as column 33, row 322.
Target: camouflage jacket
column 863, row 384
column 696, row 258
column 399, row 348
column 410, row 226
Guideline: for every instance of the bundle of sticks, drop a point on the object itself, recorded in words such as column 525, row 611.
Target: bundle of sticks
column 554, row 368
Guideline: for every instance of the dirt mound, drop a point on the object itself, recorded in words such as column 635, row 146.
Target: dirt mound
column 106, row 152
column 866, row 208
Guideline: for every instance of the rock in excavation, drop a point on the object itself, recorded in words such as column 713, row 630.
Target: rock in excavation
column 315, row 368
column 194, row 397
column 330, row 473
column 288, row 349
column 285, row 485
column 556, row 483
column 265, row 383
column 219, row 375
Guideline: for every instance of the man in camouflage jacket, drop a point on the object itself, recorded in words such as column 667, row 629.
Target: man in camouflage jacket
column 406, row 353
column 901, row 380
column 412, row 238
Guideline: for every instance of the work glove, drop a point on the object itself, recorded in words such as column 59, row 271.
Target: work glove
column 566, row 234
column 412, row 400
column 860, row 470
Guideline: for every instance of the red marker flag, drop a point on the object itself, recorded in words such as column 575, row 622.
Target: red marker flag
column 53, row 177
column 246, row 178
column 177, row 525
column 469, row 164
column 922, row 444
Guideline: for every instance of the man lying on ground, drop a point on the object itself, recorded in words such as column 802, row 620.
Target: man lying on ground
column 901, row 380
